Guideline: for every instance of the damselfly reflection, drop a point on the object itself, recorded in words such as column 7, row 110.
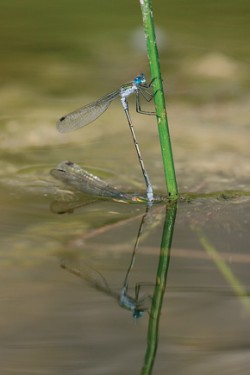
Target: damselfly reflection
column 136, row 303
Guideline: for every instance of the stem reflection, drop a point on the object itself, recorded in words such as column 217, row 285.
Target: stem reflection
column 160, row 285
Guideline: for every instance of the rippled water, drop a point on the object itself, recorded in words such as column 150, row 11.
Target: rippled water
column 65, row 257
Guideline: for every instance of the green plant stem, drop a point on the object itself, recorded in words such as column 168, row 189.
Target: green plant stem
column 159, row 99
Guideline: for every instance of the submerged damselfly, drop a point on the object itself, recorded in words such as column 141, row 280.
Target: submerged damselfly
column 87, row 114
column 78, row 178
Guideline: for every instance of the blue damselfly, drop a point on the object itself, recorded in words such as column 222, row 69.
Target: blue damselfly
column 87, row 114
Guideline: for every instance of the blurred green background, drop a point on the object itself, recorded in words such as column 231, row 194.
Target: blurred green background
column 66, row 47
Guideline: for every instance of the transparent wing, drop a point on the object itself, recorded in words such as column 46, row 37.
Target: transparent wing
column 85, row 115
column 80, row 179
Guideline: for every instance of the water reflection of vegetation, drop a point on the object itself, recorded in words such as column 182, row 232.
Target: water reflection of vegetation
column 235, row 284
column 160, row 285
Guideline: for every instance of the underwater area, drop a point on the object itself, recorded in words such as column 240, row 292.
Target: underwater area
column 99, row 285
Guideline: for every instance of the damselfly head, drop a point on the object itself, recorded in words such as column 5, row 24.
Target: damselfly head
column 139, row 79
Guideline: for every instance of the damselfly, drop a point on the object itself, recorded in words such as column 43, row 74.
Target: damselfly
column 73, row 175
column 87, row 114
